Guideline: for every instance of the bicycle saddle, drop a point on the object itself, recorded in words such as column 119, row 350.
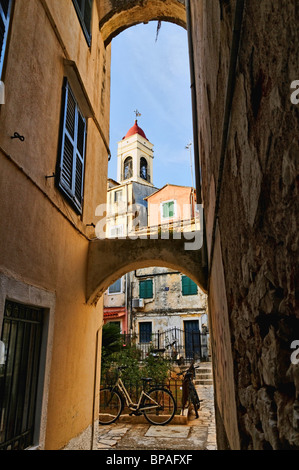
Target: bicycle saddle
column 146, row 379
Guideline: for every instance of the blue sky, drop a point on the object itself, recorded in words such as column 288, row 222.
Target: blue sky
column 153, row 77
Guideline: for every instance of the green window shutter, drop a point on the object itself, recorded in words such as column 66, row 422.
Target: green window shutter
column 171, row 209
column 188, row 286
column 168, row 209
column 165, row 211
column 146, row 289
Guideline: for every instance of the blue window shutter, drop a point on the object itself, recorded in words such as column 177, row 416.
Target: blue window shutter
column 80, row 152
column 84, row 13
column 72, row 157
column 5, row 11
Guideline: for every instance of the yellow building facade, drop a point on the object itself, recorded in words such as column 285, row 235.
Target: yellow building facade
column 57, row 85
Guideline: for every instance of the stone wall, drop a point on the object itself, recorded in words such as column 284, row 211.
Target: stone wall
column 250, row 191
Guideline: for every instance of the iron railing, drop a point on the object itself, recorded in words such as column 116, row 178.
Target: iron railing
column 174, row 344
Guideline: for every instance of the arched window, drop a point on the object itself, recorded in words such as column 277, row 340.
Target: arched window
column 143, row 169
column 128, row 168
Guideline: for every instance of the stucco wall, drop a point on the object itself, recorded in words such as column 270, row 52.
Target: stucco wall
column 44, row 242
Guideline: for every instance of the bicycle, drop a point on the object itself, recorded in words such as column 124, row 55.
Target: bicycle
column 157, row 405
column 190, row 394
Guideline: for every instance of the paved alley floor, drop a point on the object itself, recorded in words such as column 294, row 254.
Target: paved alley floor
column 197, row 434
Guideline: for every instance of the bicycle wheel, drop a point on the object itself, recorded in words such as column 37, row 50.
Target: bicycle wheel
column 111, row 406
column 164, row 412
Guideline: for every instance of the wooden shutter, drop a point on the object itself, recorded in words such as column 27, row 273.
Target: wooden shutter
column 72, row 156
column 188, row 286
column 5, row 9
column 146, row 289
column 168, row 209
column 84, row 12
column 171, row 209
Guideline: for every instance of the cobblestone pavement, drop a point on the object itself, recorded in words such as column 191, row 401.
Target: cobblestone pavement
column 197, row 434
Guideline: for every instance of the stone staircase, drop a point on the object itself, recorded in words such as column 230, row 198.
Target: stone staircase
column 204, row 374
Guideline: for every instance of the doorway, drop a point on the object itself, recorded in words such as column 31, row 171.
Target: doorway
column 192, row 340
column 22, row 337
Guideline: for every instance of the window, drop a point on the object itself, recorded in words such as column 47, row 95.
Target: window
column 118, row 196
column 145, row 332
column 143, row 169
column 188, row 286
column 116, row 231
column 71, row 158
column 5, row 11
column 84, row 10
column 146, row 289
column 116, row 287
column 168, row 209
column 128, row 168
column 116, row 323
column 22, row 336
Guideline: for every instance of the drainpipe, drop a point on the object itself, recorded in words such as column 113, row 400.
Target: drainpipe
column 94, row 387
column 194, row 105
column 198, row 176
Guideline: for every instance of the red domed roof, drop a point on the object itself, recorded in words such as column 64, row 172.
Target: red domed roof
column 135, row 130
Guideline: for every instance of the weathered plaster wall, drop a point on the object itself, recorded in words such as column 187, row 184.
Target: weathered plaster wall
column 256, row 238
column 170, row 300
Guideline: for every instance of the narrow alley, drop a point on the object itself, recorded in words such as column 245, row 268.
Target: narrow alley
column 129, row 433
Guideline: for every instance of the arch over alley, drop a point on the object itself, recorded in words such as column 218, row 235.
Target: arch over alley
column 118, row 15
column 110, row 259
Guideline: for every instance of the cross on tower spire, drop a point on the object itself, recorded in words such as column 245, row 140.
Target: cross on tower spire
column 137, row 113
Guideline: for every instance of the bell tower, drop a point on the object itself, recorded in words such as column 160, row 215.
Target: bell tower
column 135, row 157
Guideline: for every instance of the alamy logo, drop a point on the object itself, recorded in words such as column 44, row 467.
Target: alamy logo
column 2, row 93
column 295, row 94
column 295, row 354
column 191, row 230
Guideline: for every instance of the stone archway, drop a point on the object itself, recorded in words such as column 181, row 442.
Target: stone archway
column 110, row 259
column 117, row 15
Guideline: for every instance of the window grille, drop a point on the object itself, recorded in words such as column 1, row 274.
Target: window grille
column 145, row 332
column 168, row 209
column 21, row 335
